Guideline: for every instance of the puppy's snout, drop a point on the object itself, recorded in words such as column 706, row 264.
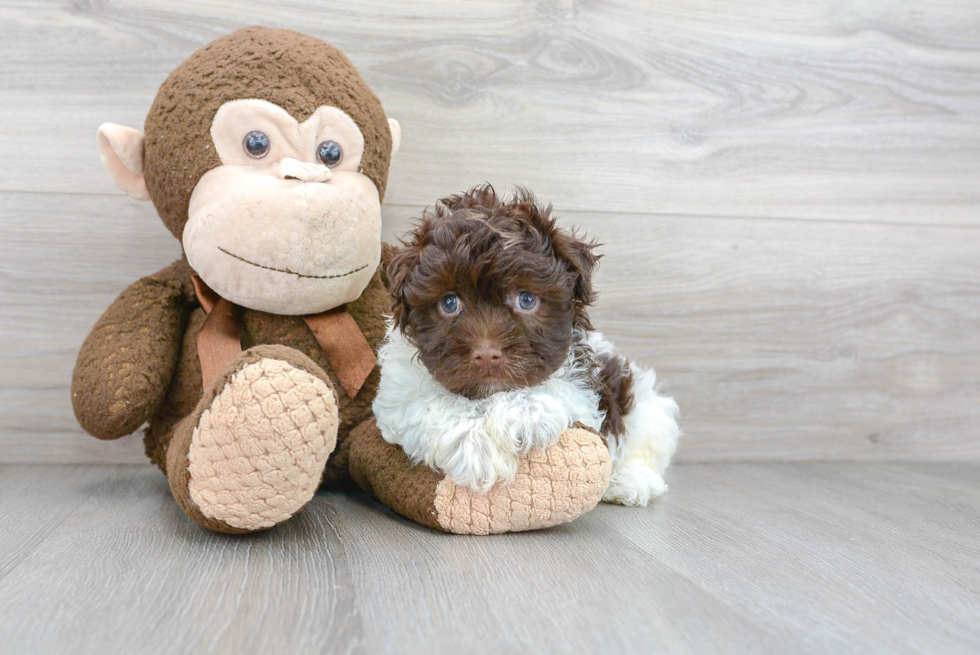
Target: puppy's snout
column 487, row 355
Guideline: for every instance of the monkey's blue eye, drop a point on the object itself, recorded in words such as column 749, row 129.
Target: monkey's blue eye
column 256, row 144
column 526, row 301
column 329, row 153
column 450, row 304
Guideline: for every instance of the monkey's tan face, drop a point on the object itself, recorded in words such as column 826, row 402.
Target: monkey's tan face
column 286, row 224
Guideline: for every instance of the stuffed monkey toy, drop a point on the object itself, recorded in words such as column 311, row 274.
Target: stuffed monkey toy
column 253, row 357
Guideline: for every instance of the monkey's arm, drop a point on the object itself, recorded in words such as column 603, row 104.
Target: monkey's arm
column 128, row 359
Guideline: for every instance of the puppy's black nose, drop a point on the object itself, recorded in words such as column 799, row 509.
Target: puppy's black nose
column 487, row 356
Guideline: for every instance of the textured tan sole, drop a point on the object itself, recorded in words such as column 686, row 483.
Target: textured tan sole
column 552, row 486
column 257, row 454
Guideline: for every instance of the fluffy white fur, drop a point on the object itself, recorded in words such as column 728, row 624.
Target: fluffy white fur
column 642, row 454
column 478, row 443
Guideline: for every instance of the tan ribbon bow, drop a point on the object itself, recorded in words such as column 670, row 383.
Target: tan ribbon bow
column 219, row 342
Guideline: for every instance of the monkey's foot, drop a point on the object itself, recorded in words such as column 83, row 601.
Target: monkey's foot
column 552, row 486
column 252, row 454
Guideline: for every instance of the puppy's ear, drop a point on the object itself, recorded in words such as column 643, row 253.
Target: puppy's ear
column 387, row 252
column 568, row 247
column 396, row 265
column 578, row 256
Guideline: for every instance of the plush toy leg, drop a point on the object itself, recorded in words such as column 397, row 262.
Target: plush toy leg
column 252, row 453
column 552, row 486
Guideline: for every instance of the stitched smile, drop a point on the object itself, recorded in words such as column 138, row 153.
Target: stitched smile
column 289, row 272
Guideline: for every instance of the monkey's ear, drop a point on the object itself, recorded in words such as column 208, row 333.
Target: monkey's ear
column 396, row 135
column 121, row 149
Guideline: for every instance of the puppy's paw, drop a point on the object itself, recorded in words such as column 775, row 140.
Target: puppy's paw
column 634, row 483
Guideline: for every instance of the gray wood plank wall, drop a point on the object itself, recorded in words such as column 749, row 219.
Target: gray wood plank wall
column 789, row 193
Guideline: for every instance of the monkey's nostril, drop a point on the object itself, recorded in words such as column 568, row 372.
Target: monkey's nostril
column 293, row 169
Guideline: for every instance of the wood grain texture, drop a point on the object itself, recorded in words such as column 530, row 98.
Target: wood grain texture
column 810, row 109
column 682, row 135
column 789, row 201
column 35, row 501
column 780, row 339
column 774, row 558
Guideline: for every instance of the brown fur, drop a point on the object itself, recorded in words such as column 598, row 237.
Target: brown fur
column 140, row 362
column 260, row 328
column 485, row 250
column 157, row 379
column 297, row 72
column 616, row 392
column 383, row 470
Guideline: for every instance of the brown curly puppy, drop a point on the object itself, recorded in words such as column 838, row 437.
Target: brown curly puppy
column 492, row 353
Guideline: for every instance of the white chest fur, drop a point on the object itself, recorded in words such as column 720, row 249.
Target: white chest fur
column 477, row 443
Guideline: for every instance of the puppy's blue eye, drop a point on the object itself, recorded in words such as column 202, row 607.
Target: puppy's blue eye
column 449, row 304
column 526, row 301
column 256, row 144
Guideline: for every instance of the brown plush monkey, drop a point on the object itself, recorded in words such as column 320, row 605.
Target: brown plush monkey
column 253, row 356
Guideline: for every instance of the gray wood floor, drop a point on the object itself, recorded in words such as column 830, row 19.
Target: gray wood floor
column 741, row 558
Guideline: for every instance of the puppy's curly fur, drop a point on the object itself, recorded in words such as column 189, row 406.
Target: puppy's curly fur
column 490, row 323
column 485, row 251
